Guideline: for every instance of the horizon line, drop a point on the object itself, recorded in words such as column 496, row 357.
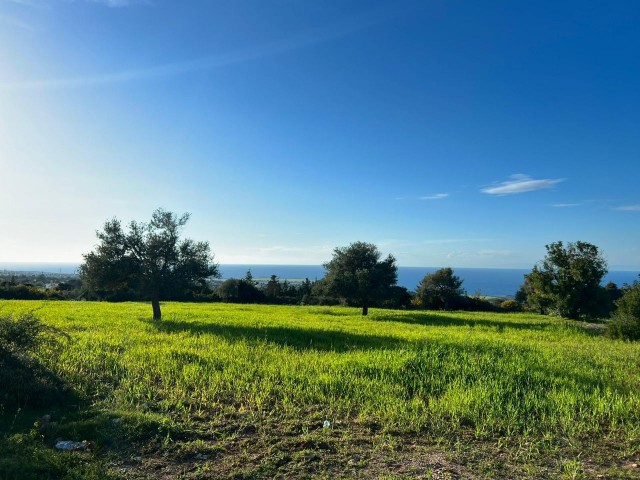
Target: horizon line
column 616, row 268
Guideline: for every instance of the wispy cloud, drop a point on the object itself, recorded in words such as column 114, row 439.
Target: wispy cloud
column 436, row 196
column 284, row 254
column 121, row 3
column 455, row 240
column 520, row 183
column 290, row 249
column 628, row 208
column 479, row 253
column 108, row 3
column 15, row 22
column 565, row 205
column 29, row 3
column 307, row 39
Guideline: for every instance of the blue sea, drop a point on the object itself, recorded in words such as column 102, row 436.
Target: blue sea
column 486, row 281
column 495, row 282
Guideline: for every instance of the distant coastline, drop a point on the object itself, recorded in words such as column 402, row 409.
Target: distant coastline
column 487, row 281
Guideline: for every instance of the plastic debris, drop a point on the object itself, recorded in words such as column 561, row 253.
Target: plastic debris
column 70, row 445
column 200, row 456
column 326, row 424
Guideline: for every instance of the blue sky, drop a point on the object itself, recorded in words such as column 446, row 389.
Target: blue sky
column 449, row 133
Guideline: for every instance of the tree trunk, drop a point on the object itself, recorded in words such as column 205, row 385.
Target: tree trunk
column 365, row 310
column 155, row 304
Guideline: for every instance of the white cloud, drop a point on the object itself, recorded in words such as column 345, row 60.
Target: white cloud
column 565, row 205
column 520, row 183
column 628, row 208
column 437, row 196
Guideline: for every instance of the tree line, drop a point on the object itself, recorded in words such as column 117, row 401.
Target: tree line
column 151, row 262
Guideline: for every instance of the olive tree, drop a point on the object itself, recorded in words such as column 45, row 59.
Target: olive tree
column 441, row 290
column 357, row 274
column 568, row 281
column 149, row 259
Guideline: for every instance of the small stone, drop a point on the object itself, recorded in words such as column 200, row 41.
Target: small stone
column 200, row 456
column 70, row 445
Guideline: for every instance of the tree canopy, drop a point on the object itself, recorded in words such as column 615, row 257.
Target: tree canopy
column 568, row 281
column 441, row 290
column 357, row 274
column 149, row 259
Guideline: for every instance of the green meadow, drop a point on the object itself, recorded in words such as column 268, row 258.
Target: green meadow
column 252, row 391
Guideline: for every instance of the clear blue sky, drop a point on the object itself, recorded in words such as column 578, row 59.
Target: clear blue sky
column 449, row 133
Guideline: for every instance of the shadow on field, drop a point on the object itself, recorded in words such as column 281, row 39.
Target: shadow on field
column 27, row 383
column 429, row 319
column 298, row 338
column 330, row 311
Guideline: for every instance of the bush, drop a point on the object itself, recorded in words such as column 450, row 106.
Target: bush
column 398, row 298
column 510, row 306
column 236, row 290
column 24, row 340
column 29, row 292
column 477, row 304
column 624, row 327
column 626, row 319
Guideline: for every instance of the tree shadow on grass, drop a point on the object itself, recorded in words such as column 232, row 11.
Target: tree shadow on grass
column 429, row 319
column 38, row 407
column 29, row 384
column 296, row 338
column 330, row 311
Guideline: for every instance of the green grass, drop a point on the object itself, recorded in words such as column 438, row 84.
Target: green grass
column 239, row 391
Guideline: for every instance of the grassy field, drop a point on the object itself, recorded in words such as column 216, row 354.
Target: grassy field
column 244, row 391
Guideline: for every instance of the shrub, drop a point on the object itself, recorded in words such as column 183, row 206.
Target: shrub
column 236, row 290
column 477, row 304
column 624, row 327
column 626, row 319
column 510, row 306
column 398, row 298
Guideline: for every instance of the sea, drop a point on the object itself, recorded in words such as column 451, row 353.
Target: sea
column 495, row 282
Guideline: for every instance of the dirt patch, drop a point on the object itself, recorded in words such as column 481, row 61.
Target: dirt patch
column 290, row 450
